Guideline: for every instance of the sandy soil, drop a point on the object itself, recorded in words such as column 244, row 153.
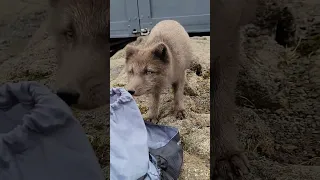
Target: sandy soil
column 277, row 95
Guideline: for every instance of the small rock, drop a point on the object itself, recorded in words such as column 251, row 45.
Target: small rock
column 311, row 19
column 89, row 116
column 3, row 42
column 303, row 28
column 316, row 132
column 289, row 147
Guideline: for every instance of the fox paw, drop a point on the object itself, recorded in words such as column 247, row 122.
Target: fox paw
column 181, row 114
column 151, row 118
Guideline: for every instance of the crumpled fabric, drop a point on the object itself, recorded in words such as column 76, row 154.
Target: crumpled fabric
column 40, row 139
column 129, row 151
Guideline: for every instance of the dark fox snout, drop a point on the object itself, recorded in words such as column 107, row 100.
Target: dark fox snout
column 69, row 97
column 131, row 92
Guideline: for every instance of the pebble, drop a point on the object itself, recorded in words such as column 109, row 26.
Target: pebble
column 3, row 41
column 289, row 147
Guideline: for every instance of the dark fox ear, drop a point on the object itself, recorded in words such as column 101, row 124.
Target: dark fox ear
column 160, row 51
column 130, row 51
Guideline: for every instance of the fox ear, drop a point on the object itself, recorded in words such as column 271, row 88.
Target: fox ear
column 160, row 51
column 130, row 51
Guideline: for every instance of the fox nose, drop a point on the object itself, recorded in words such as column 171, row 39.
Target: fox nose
column 131, row 92
column 69, row 97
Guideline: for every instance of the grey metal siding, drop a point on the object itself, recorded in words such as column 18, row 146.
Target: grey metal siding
column 127, row 15
column 124, row 18
column 194, row 15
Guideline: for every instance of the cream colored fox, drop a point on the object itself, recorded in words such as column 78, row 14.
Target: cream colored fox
column 161, row 60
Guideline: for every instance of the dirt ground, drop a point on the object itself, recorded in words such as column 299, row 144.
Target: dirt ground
column 278, row 90
column 278, row 95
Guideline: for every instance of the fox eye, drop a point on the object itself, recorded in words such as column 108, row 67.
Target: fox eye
column 69, row 34
column 131, row 71
column 148, row 71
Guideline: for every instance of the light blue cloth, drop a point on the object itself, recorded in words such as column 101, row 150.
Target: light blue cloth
column 129, row 152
